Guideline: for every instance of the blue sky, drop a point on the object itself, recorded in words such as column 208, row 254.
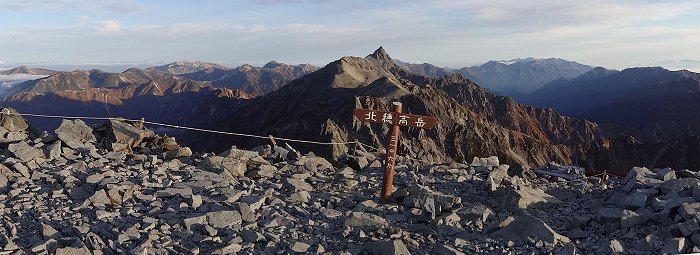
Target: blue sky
column 608, row 33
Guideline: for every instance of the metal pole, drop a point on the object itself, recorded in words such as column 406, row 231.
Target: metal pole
column 391, row 148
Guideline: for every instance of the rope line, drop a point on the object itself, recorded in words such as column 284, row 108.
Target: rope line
column 205, row 130
column 180, row 127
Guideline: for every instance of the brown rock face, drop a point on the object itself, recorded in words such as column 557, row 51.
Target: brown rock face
column 472, row 122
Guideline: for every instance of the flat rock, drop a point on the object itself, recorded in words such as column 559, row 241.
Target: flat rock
column 674, row 245
column 100, row 199
column 495, row 177
column 123, row 133
column 296, row 185
column 11, row 121
column 679, row 185
column 640, row 177
column 362, row 219
column 222, row 219
column 24, row 151
column 242, row 155
column 431, row 202
column 474, row 211
column 609, row 214
column 524, row 197
column 524, row 227
column 299, row 247
column 53, row 151
column 177, row 153
column 490, row 161
column 73, row 251
column 232, row 166
column 76, row 134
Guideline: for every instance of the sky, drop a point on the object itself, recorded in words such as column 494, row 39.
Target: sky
column 609, row 33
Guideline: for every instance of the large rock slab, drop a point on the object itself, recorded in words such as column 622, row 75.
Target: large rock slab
column 490, row 161
column 76, row 134
column 11, row 121
column 496, row 176
column 523, row 228
column 475, row 211
column 232, row 166
column 126, row 133
column 639, row 178
column 365, row 220
column 24, row 151
column 433, row 203
column 523, row 197
column 222, row 219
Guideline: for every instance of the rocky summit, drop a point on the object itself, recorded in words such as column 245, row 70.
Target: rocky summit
column 118, row 188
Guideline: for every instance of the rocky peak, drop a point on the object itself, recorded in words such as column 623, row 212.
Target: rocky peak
column 272, row 64
column 380, row 54
column 354, row 72
column 28, row 70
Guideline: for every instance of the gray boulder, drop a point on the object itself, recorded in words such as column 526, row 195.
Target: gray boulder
column 123, row 136
column 76, row 134
column 524, row 227
column 365, row 220
column 640, row 177
column 11, row 121
column 24, row 152
column 177, row 153
column 496, row 176
column 475, row 211
column 490, row 161
column 232, row 166
column 433, row 203
column 222, row 219
column 523, row 197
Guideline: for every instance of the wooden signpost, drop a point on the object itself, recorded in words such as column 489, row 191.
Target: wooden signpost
column 395, row 119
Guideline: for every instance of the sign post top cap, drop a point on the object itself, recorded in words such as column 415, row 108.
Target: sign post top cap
column 396, row 103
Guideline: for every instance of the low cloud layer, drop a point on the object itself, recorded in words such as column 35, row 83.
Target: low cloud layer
column 9, row 81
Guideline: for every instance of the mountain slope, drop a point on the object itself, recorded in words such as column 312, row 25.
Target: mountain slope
column 650, row 103
column 253, row 80
column 319, row 106
column 28, row 70
column 522, row 76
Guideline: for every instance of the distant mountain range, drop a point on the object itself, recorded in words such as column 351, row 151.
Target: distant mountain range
column 28, row 70
column 253, row 80
column 651, row 103
column 657, row 106
column 510, row 78
column 185, row 67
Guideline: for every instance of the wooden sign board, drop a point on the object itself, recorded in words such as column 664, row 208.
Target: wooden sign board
column 394, row 118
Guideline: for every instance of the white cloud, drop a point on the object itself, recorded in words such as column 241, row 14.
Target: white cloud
column 9, row 81
column 71, row 5
column 543, row 13
column 107, row 26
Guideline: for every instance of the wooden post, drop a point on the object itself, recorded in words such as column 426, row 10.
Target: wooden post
column 396, row 119
column 392, row 145
column 272, row 140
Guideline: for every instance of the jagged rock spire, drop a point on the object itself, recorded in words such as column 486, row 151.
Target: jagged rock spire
column 380, row 54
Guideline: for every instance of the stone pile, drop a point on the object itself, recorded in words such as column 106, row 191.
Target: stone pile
column 120, row 189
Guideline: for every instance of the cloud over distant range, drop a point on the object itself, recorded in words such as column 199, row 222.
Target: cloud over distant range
column 614, row 34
